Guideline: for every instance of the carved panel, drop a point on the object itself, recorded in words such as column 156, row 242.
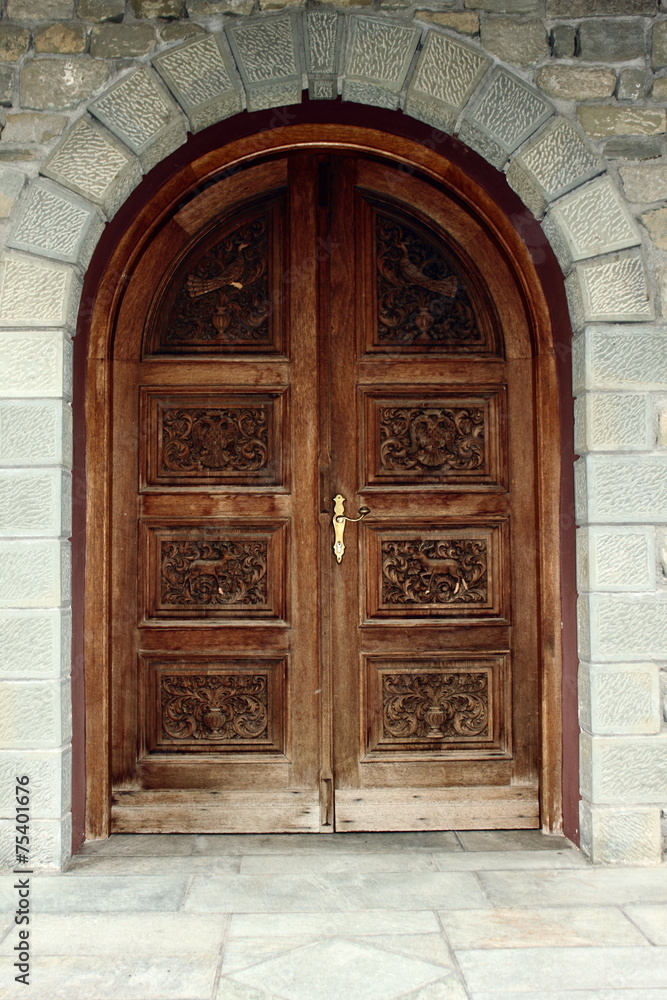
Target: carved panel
column 446, row 703
column 222, row 298
column 213, row 706
column 423, row 300
column 217, row 438
column 434, row 439
column 216, row 572
column 427, row 572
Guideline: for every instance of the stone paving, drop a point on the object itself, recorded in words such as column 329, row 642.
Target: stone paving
column 427, row 916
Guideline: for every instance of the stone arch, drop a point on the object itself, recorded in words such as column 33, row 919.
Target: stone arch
column 433, row 75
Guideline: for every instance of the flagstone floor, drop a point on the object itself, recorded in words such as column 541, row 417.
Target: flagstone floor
column 427, row 916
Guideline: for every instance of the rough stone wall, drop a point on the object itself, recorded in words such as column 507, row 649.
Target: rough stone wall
column 568, row 97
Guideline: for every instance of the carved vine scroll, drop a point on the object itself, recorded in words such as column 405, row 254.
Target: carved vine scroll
column 228, row 439
column 214, row 707
column 214, row 573
column 435, row 705
column 421, row 300
column 434, row 571
column 437, row 439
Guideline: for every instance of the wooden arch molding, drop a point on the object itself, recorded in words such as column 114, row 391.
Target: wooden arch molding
column 545, row 315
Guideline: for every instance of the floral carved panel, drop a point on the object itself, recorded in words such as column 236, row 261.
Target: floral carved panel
column 214, row 705
column 424, row 301
column 215, row 573
column 438, row 704
column 224, row 296
column 223, row 439
column 435, row 439
column 426, row 572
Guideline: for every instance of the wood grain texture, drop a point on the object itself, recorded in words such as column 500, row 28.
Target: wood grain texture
column 345, row 240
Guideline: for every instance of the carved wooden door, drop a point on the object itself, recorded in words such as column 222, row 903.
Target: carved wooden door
column 317, row 325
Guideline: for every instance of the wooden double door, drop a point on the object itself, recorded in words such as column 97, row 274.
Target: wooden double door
column 316, row 326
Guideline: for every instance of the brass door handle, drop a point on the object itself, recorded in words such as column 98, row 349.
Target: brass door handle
column 338, row 520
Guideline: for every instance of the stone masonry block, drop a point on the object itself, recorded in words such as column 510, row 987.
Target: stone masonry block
column 615, row 559
column 35, row 502
column 36, row 292
column 617, row 357
column 142, row 114
column 611, row 40
column 446, row 75
column 35, row 644
column 34, row 715
column 645, row 182
column 617, row 489
column 268, row 56
column 519, row 42
column 613, row 836
column 12, row 183
column 202, row 77
column 49, row 84
column 625, row 770
column 34, row 573
column 94, row 164
column 323, row 36
column 35, row 364
column 377, row 60
column 613, row 422
column 35, row 433
column 575, row 83
column 602, row 120
column 589, row 221
column 620, row 699
column 623, row 628
column 53, row 222
column 50, row 774
column 121, row 41
column 552, row 163
column 609, row 289
column 505, row 114
column 50, row 843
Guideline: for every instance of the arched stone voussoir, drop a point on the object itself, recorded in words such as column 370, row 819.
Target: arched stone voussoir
column 94, row 164
column 556, row 159
column 54, row 222
column 377, row 59
column 140, row 112
column 38, row 293
column 590, row 221
column 610, row 289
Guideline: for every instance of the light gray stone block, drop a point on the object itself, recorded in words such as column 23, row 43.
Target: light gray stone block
column 34, row 573
column 613, row 836
column 35, row 364
column 505, row 114
column 617, row 357
column 377, row 60
column 613, row 422
column 620, row 699
column 53, row 222
column 12, row 183
column 94, row 164
column 35, row 644
column 609, row 289
column 615, row 559
column 446, row 75
column 50, row 774
column 620, row 489
column 589, row 221
column 202, row 77
column 552, row 163
column 142, row 114
column 35, row 433
column 323, row 37
column 268, row 56
column 50, row 842
column 624, row 770
column 34, row 715
column 623, row 628
column 645, row 182
column 35, row 502
column 35, row 292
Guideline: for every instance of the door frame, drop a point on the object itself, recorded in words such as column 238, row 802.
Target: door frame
column 97, row 320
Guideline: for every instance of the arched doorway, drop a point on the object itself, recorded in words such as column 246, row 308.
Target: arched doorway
column 339, row 313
